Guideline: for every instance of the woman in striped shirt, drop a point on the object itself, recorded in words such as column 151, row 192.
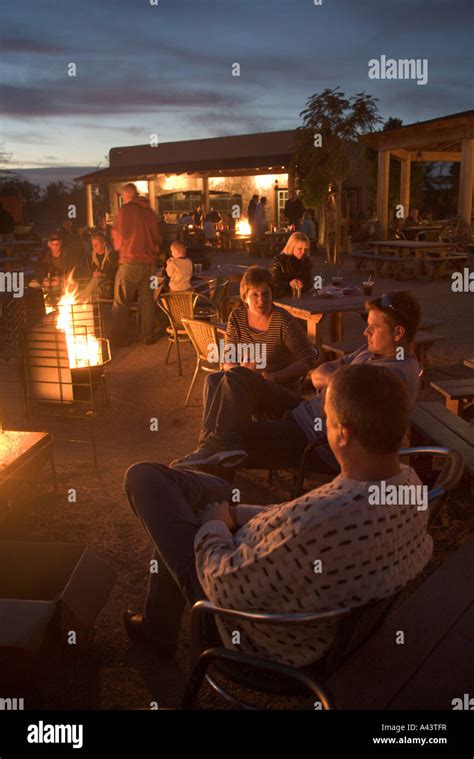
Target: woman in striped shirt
column 264, row 355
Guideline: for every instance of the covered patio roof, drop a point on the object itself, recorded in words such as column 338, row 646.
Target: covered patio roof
column 237, row 155
column 450, row 138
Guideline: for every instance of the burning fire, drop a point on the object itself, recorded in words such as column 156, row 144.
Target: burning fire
column 76, row 320
column 243, row 227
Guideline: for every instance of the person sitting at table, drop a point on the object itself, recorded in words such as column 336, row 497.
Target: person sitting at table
column 104, row 265
column 262, row 558
column 187, row 220
column 179, row 268
column 292, row 267
column 54, row 266
column 210, row 231
column 266, row 352
column 413, row 219
column 392, row 322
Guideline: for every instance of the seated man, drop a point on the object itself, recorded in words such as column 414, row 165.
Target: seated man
column 104, row 264
column 54, row 266
column 392, row 322
column 266, row 352
column 334, row 546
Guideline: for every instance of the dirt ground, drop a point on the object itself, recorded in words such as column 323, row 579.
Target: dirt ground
column 114, row 674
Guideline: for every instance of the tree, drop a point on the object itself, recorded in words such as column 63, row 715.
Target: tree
column 328, row 150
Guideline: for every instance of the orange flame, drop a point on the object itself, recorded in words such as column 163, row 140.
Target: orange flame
column 76, row 320
column 243, row 227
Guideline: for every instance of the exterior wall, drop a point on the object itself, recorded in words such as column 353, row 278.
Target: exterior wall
column 252, row 185
column 246, row 186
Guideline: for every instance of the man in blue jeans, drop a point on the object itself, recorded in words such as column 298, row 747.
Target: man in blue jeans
column 262, row 557
column 173, row 526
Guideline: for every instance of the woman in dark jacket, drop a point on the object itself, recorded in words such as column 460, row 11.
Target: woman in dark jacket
column 292, row 267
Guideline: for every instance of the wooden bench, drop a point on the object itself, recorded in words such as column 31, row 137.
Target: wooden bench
column 428, row 325
column 395, row 262
column 457, row 392
column 422, row 343
column 431, row 667
column 433, row 423
column 438, row 264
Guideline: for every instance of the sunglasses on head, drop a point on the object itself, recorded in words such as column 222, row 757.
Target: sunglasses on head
column 385, row 303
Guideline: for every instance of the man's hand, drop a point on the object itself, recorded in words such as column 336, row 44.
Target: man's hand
column 220, row 511
column 97, row 274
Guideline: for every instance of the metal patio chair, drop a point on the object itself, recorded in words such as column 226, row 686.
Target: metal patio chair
column 181, row 304
column 354, row 627
column 202, row 334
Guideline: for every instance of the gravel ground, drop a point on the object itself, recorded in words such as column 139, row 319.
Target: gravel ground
column 113, row 674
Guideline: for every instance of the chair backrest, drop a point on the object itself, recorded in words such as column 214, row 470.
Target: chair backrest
column 448, row 478
column 176, row 305
column 219, row 292
column 203, row 335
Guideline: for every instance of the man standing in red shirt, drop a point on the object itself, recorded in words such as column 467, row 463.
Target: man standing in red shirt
column 136, row 237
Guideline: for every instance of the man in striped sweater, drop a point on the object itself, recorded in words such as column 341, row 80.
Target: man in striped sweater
column 334, row 546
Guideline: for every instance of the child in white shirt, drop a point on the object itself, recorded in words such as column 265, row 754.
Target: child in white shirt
column 179, row 267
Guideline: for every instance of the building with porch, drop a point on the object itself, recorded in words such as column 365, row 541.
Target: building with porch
column 217, row 173
column 445, row 139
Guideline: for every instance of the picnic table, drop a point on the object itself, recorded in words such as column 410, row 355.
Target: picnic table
column 417, row 250
column 457, row 393
column 313, row 308
column 415, row 231
column 433, row 667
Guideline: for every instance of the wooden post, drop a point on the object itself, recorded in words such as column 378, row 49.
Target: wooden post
column 466, row 179
column 151, row 194
column 89, row 206
column 405, row 176
column 205, row 193
column 383, row 175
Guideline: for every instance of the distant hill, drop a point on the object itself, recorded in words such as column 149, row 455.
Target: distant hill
column 54, row 174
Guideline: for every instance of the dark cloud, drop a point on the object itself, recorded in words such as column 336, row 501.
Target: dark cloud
column 72, row 100
column 30, row 45
column 168, row 68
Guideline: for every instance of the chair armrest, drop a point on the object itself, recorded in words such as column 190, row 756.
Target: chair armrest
column 212, row 655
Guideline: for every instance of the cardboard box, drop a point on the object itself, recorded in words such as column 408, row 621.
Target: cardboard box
column 47, row 591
